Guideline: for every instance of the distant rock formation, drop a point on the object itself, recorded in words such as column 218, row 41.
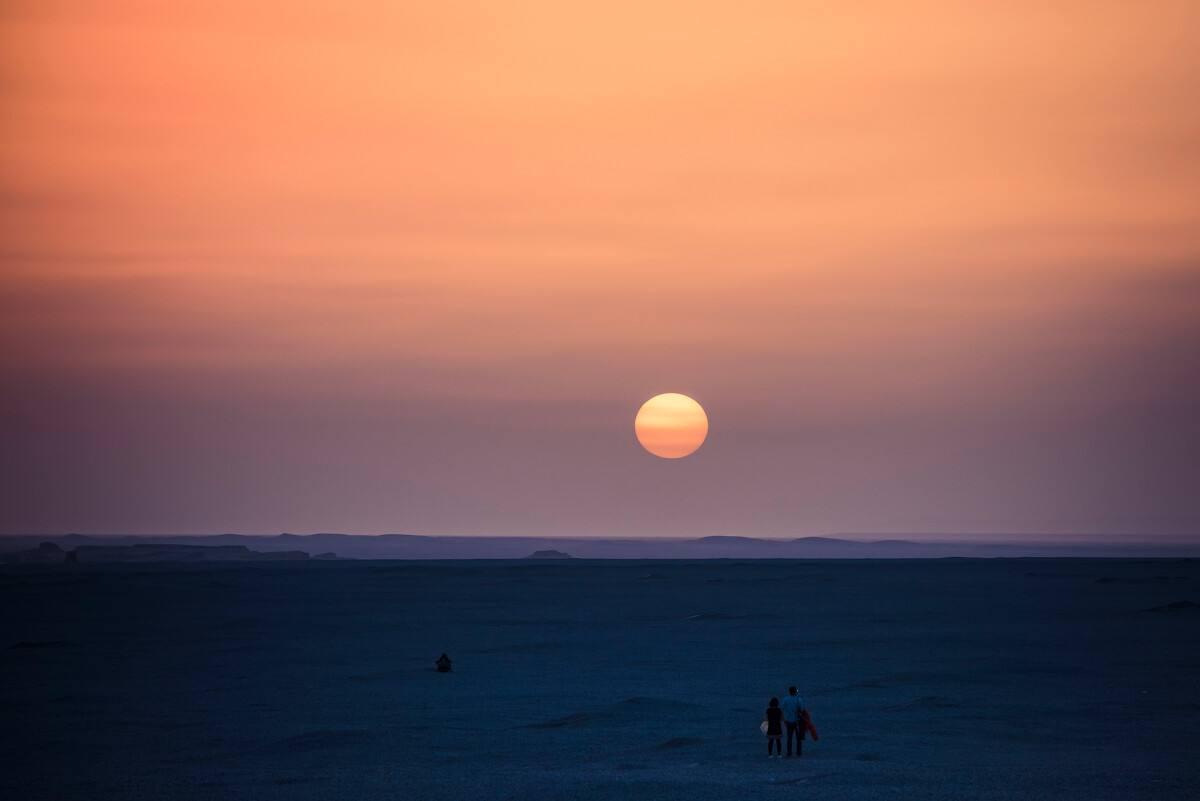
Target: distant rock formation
column 411, row 546
column 50, row 553
column 47, row 553
column 181, row 553
column 549, row 554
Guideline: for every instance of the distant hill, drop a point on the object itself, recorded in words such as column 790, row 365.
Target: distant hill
column 549, row 554
column 413, row 546
column 53, row 553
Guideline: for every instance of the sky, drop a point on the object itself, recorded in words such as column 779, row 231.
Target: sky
column 413, row 267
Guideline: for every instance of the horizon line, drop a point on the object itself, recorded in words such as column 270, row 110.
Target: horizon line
column 930, row 537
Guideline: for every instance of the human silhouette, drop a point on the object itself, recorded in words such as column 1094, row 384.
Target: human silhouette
column 774, row 729
column 443, row 664
column 793, row 717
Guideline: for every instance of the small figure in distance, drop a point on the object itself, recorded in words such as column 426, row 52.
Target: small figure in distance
column 793, row 716
column 774, row 729
column 443, row 664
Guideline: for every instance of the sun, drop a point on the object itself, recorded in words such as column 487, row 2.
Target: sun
column 671, row 425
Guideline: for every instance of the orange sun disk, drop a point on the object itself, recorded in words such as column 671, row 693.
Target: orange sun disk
column 671, row 425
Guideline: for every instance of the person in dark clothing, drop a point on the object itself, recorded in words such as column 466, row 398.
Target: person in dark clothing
column 774, row 729
column 443, row 664
column 793, row 718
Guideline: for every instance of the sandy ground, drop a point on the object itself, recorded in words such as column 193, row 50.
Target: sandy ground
column 948, row 679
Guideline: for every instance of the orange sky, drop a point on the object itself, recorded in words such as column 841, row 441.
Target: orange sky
column 385, row 266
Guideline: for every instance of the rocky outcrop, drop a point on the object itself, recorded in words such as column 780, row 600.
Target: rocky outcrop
column 181, row 553
column 46, row 553
column 549, row 554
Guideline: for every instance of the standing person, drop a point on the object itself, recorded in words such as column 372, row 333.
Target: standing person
column 793, row 716
column 774, row 729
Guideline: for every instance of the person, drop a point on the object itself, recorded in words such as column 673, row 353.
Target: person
column 774, row 729
column 443, row 664
column 793, row 716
